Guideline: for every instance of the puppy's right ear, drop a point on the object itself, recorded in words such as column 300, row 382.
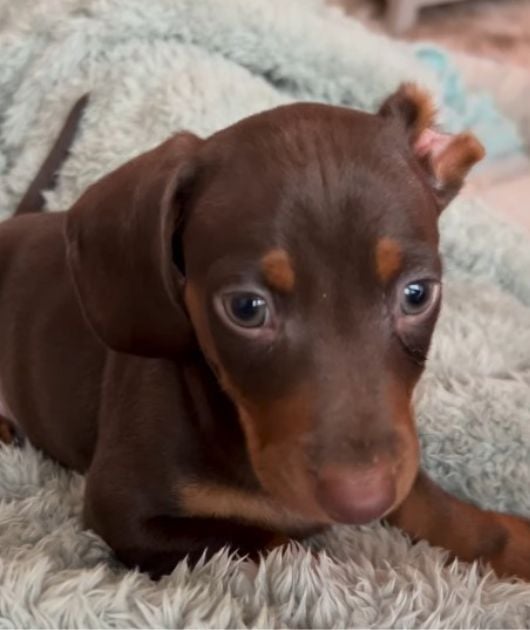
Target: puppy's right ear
column 120, row 238
column 445, row 158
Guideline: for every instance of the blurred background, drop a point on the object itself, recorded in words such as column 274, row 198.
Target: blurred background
column 494, row 29
column 489, row 45
column 478, row 50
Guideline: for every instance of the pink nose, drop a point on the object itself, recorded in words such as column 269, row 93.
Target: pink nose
column 356, row 497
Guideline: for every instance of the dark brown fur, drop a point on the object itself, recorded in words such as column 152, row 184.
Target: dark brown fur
column 194, row 435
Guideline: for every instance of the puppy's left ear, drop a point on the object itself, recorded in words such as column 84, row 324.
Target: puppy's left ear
column 445, row 158
column 124, row 259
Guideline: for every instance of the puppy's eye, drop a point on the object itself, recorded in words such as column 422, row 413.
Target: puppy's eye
column 248, row 310
column 418, row 296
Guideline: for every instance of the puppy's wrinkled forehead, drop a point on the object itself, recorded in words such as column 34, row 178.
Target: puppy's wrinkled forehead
column 308, row 176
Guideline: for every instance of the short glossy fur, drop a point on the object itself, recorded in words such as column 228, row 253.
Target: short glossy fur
column 120, row 357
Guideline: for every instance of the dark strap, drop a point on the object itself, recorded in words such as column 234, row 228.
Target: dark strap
column 46, row 178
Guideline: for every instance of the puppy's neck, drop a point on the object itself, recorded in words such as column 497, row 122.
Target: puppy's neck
column 215, row 419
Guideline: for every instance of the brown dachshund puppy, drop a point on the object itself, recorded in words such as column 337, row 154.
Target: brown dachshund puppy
column 225, row 335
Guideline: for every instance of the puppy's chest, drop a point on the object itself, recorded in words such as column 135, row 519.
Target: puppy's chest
column 219, row 481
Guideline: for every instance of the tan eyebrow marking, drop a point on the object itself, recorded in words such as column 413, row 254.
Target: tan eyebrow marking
column 278, row 271
column 388, row 258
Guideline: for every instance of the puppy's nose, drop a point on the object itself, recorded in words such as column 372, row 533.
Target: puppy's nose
column 356, row 497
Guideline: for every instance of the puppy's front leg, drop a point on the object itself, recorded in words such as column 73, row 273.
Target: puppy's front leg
column 166, row 540
column 468, row 532
column 156, row 541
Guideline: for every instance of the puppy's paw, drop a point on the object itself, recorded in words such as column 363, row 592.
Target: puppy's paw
column 513, row 560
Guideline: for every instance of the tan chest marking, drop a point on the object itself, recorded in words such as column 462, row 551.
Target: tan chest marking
column 212, row 500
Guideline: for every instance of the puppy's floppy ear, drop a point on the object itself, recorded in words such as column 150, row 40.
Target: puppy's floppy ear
column 446, row 159
column 119, row 238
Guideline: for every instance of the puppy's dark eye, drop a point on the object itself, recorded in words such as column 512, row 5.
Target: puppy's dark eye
column 246, row 309
column 418, row 296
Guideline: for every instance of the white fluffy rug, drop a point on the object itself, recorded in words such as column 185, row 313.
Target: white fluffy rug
column 153, row 67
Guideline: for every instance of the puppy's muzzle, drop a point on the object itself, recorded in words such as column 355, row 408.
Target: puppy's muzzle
column 356, row 496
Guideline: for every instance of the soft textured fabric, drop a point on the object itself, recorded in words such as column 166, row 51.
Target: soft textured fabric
column 158, row 66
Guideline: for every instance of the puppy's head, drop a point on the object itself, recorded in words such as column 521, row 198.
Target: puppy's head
column 300, row 248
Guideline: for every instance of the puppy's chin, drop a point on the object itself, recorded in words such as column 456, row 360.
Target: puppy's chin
column 282, row 474
column 336, row 493
column 360, row 488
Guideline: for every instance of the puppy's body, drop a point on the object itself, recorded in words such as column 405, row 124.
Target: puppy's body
column 41, row 322
column 225, row 335
column 166, row 435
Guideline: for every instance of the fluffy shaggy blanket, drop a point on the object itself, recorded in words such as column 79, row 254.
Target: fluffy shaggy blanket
column 157, row 66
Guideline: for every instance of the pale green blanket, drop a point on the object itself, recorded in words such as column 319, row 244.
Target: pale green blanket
column 156, row 66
